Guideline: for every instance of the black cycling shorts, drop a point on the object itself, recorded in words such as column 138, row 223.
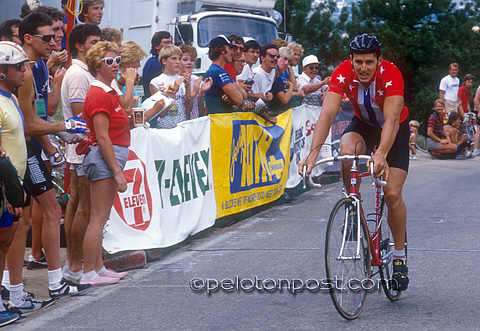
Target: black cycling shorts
column 398, row 156
column 37, row 177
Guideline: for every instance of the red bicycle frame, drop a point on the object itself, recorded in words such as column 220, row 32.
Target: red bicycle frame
column 373, row 235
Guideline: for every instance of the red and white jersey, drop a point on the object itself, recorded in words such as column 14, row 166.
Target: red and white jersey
column 368, row 103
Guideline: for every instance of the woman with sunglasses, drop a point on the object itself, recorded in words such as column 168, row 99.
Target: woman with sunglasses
column 311, row 83
column 103, row 164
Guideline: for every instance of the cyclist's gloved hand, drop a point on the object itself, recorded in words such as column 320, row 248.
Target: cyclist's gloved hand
column 75, row 125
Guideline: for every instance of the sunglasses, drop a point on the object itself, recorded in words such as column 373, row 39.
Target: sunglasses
column 109, row 60
column 313, row 67
column 274, row 56
column 18, row 66
column 45, row 37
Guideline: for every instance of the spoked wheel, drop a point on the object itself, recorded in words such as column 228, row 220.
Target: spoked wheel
column 346, row 272
column 387, row 246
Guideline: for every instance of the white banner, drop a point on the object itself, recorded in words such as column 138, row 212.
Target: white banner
column 170, row 188
column 304, row 118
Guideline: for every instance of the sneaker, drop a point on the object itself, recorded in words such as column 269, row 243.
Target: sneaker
column 7, row 317
column 68, row 288
column 33, row 263
column 461, row 156
column 29, row 306
column 6, row 294
column 399, row 281
column 113, row 274
column 474, row 153
column 413, row 157
column 100, row 280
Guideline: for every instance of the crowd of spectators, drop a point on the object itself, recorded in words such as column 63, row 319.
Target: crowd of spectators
column 93, row 83
column 447, row 136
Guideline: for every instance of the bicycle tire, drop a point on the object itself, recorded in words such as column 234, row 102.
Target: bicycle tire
column 387, row 246
column 348, row 301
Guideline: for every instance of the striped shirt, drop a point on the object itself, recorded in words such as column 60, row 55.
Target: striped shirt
column 436, row 123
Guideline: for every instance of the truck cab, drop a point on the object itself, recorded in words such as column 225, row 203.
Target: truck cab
column 199, row 28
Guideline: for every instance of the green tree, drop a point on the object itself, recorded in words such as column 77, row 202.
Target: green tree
column 311, row 25
column 420, row 36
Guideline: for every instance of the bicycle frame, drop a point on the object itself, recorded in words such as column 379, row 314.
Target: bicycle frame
column 355, row 174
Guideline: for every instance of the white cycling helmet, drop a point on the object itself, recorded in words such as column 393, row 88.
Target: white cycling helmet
column 11, row 53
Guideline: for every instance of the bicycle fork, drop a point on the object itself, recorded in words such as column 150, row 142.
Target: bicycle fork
column 347, row 225
column 356, row 205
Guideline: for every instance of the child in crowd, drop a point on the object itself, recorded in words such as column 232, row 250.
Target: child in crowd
column 195, row 103
column 169, row 57
column 414, row 126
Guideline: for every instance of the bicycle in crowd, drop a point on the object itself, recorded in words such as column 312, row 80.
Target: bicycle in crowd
column 355, row 245
column 469, row 127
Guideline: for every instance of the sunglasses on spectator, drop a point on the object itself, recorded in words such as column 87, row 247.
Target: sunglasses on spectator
column 109, row 60
column 274, row 56
column 45, row 37
column 313, row 67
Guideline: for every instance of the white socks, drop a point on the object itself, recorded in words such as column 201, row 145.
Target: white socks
column 54, row 279
column 102, row 271
column 17, row 296
column 399, row 254
column 89, row 275
column 6, row 279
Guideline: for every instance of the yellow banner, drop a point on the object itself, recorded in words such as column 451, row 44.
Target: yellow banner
column 250, row 160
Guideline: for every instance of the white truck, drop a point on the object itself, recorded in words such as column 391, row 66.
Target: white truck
column 194, row 22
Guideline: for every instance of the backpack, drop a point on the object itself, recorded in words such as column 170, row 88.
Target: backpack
column 422, row 130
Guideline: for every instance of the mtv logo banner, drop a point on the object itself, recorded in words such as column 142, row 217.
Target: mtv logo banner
column 250, row 159
column 304, row 118
column 170, row 188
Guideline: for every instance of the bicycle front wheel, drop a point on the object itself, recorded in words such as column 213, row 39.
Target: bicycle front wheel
column 347, row 268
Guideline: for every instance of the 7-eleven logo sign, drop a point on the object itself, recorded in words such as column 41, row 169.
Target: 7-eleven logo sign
column 134, row 206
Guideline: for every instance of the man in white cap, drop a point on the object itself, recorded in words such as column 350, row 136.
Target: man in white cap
column 310, row 82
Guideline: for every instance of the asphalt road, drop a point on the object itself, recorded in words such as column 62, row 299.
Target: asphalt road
column 287, row 242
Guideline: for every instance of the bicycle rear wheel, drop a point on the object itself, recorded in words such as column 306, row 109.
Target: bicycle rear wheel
column 387, row 246
column 346, row 273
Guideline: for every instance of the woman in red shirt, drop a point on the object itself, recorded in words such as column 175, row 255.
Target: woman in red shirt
column 110, row 133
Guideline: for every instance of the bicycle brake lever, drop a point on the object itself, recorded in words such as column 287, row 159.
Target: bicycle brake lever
column 376, row 181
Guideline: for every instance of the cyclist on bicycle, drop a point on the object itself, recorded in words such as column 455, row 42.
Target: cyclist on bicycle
column 375, row 89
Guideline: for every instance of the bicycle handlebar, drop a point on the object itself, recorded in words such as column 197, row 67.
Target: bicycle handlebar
column 342, row 158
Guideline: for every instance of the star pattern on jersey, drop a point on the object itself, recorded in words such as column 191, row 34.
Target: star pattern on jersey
column 351, row 87
column 380, row 92
column 388, row 84
column 382, row 70
column 341, row 79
